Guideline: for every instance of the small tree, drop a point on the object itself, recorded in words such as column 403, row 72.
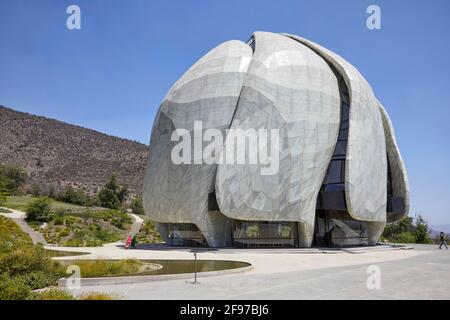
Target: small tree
column 408, row 230
column 112, row 195
column 421, row 230
column 14, row 177
column 3, row 193
column 404, row 226
column 136, row 206
column 38, row 210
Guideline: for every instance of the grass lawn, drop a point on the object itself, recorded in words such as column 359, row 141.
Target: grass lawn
column 59, row 253
column 109, row 268
column 21, row 203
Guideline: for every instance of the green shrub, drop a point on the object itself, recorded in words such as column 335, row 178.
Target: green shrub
column 12, row 177
column 40, row 279
column 148, row 233
column 73, row 243
column 98, row 296
column 112, row 195
column 405, row 237
column 75, row 196
column 12, row 288
column 23, row 266
column 421, row 230
column 58, row 294
column 51, row 294
column 3, row 193
column 102, row 235
column 108, row 199
column 26, row 260
column 85, row 228
column 17, row 263
column 59, row 220
column 39, row 210
column 136, row 206
column 408, row 230
column 63, row 233
column 34, row 224
column 100, row 268
column 11, row 236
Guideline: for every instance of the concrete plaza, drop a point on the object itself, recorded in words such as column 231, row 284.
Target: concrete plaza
column 421, row 273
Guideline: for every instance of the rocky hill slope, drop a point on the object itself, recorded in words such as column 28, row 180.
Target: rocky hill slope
column 55, row 152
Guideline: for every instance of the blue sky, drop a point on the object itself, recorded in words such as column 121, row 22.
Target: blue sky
column 113, row 73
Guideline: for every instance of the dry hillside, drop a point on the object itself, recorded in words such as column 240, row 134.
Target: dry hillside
column 52, row 151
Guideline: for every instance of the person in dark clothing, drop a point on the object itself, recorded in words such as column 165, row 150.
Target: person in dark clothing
column 443, row 242
column 134, row 242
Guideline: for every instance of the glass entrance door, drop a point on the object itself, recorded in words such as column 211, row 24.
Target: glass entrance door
column 264, row 234
column 338, row 229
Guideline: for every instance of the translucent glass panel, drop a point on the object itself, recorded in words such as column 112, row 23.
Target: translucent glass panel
column 335, row 172
column 389, row 181
column 185, row 234
column 338, row 229
column 336, row 169
column 262, row 234
column 346, row 233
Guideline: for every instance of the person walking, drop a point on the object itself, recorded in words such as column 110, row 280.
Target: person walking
column 134, row 242
column 128, row 243
column 443, row 242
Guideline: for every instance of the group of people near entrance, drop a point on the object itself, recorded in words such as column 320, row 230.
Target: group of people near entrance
column 131, row 242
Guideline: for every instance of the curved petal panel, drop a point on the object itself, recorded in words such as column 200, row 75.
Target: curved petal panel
column 291, row 89
column 207, row 92
column 366, row 163
column 399, row 177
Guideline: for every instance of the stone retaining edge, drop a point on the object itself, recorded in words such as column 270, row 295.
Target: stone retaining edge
column 62, row 283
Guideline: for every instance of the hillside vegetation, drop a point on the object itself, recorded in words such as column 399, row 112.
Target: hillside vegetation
column 83, row 227
column 54, row 153
column 25, row 267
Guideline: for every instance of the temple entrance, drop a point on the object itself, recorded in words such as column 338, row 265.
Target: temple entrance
column 264, row 234
column 337, row 229
column 185, row 235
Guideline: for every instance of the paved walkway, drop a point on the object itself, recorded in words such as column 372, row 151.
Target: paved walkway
column 19, row 218
column 421, row 273
column 136, row 226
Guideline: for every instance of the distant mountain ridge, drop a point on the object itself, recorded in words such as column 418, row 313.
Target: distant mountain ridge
column 56, row 152
column 436, row 229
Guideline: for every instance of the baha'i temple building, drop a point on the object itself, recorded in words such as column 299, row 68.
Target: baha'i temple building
column 340, row 179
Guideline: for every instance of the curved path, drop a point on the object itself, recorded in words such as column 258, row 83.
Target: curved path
column 37, row 237
column 19, row 218
column 136, row 226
